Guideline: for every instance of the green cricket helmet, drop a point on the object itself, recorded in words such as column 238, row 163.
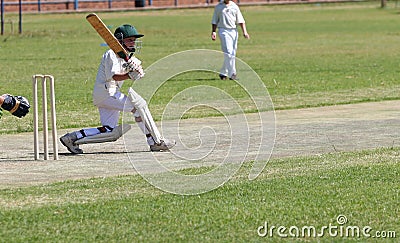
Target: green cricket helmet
column 126, row 31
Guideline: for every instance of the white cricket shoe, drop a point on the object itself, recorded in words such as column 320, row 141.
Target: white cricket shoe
column 68, row 140
column 165, row 145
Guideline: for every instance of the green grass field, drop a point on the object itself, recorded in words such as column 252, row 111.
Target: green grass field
column 307, row 56
column 300, row 191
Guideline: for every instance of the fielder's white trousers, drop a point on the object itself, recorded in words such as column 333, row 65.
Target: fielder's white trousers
column 229, row 41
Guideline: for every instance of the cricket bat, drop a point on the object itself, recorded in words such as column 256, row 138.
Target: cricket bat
column 107, row 36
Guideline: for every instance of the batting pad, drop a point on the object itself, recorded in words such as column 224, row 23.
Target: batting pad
column 112, row 136
column 141, row 105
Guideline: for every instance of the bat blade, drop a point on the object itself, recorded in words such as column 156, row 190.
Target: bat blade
column 107, row 36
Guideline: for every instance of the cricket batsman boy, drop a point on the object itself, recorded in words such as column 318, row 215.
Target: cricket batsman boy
column 109, row 100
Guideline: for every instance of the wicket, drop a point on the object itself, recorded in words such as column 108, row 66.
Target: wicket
column 43, row 78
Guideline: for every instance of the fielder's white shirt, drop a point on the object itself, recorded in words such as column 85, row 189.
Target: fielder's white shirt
column 227, row 15
column 109, row 66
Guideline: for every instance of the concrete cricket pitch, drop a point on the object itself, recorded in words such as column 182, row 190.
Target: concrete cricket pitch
column 298, row 132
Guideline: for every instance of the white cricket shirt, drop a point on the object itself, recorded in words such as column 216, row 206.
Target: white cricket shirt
column 109, row 66
column 227, row 15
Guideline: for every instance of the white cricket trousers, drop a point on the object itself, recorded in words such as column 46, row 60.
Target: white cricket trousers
column 111, row 107
column 229, row 42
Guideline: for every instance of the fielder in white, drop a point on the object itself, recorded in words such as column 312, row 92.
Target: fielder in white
column 109, row 100
column 226, row 17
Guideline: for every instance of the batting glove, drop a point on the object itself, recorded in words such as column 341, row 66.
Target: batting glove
column 133, row 64
column 135, row 75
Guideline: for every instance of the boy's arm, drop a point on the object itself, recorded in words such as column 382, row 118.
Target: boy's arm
column 244, row 30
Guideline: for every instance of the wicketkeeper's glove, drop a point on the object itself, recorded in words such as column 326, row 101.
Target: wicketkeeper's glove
column 16, row 105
